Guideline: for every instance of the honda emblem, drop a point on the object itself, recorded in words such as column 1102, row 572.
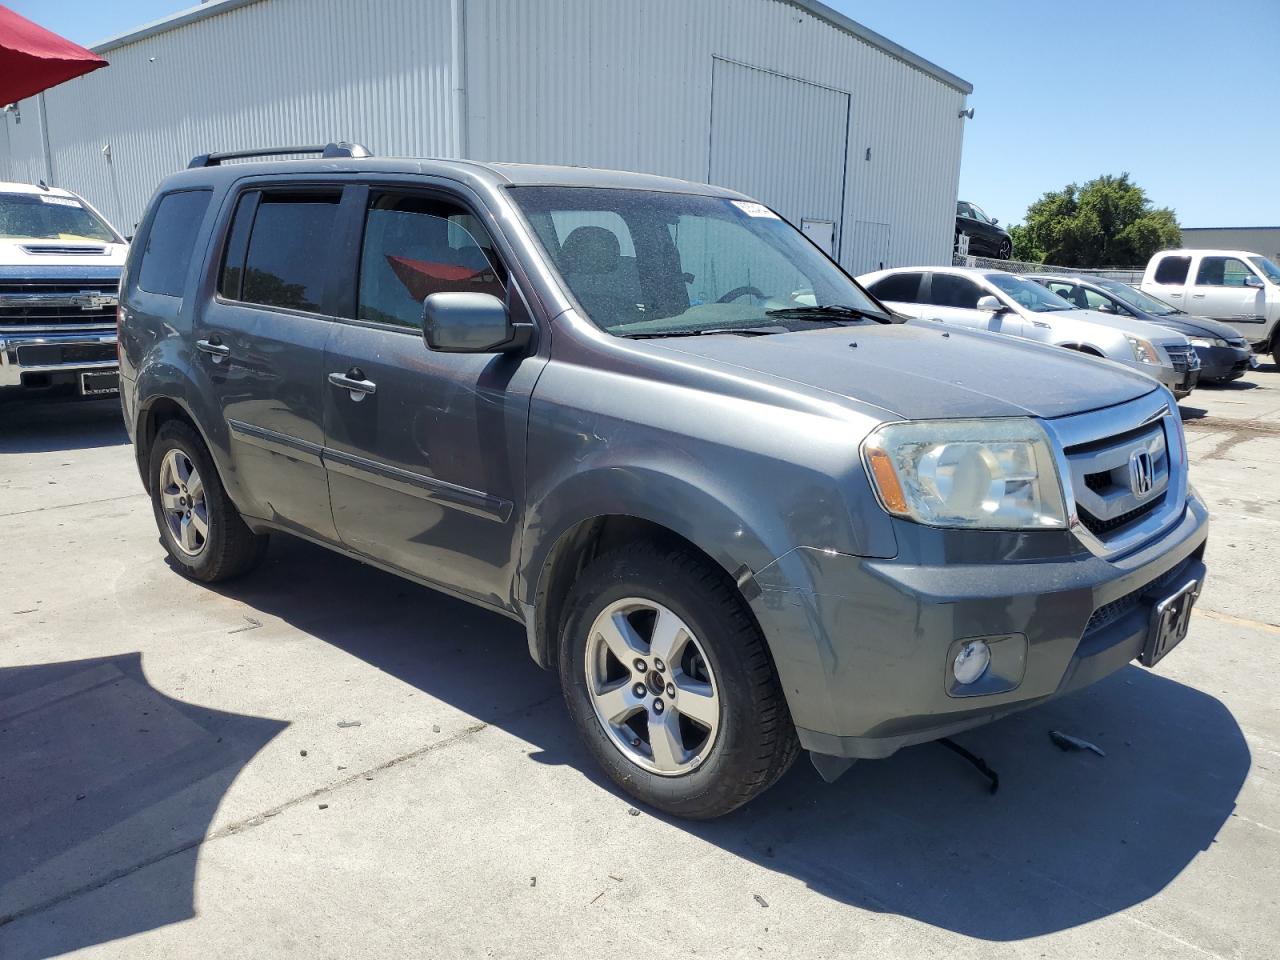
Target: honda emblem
column 1142, row 473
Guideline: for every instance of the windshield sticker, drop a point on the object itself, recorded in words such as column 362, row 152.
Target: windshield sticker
column 59, row 201
column 753, row 209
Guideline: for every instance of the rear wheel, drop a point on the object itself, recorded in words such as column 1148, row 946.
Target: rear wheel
column 200, row 527
column 669, row 680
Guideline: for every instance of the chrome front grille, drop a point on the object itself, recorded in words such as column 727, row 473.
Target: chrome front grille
column 26, row 305
column 1184, row 357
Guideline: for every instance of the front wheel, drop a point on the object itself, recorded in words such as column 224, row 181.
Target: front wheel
column 669, row 680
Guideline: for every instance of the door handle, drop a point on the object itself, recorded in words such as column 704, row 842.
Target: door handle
column 354, row 382
column 215, row 348
column 1197, row 296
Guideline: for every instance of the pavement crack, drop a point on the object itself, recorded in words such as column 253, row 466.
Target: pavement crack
column 64, row 506
column 258, row 819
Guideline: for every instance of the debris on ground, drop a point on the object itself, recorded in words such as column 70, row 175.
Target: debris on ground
column 435, row 728
column 252, row 625
column 302, row 753
column 612, row 877
column 596, row 897
column 533, row 881
column 344, row 724
column 761, row 900
column 993, row 778
column 1064, row 742
column 324, row 806
column 632, row 811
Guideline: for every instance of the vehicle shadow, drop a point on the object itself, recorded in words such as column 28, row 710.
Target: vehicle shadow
column 43, row 426
column 1068, row 838
column 101, row 773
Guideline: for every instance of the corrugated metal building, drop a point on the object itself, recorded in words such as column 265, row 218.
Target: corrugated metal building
column 1263, row 240
column 828, row 122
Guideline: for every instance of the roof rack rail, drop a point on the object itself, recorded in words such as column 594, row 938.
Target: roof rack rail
column 328, row 151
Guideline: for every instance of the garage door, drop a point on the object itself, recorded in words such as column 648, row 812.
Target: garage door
column 782, row 141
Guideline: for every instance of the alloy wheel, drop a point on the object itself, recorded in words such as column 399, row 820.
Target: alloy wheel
column 182, row 499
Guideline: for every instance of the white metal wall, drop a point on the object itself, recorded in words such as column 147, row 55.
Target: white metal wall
column 613, row 83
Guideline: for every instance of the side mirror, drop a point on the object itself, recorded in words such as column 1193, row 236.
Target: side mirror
column 1107, row 307
column 991, row 304
column 471, row 323
column 995, row 221
column 1252, row 281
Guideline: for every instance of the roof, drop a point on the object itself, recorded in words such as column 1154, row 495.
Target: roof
column 1198, row 252
column 819, row 10
column 10, row 187
column 1216, row 229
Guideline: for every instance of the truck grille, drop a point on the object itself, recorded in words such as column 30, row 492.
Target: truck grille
column 31, row 304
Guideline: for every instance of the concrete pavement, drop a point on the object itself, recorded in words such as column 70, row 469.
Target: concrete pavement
column 323, row 760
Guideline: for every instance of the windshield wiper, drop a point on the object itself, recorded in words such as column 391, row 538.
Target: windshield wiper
column 739, row 331
column 838, row 311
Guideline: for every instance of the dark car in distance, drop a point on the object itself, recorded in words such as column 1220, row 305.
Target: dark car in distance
column 986, row 237
column 1224, row 354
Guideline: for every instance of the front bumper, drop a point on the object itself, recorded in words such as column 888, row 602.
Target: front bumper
column 37, row 358
column 1223, row 363
column 864, row 645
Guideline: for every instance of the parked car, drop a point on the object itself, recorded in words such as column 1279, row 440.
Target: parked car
column 1239, row 288
column 1000, row 302
column 60, row 267
column 986, row 237
column 1224, row 354
column 738, row 509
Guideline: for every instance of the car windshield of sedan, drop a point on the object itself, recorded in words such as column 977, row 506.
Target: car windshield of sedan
column 47, row 216
column 1269, row 269
column 1136, row 298
column 644, row 263
column 1028, row 294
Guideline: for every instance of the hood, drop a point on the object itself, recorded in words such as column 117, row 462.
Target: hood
column 1139, row 328
column 71, row 252
column 918, row 371
column 1191, row 326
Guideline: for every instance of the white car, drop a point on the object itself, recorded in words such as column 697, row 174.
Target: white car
column 996, row 301
column 60, row 265
column 1239, row 288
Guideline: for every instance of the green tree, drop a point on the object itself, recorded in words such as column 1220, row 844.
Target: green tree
column 1108, row 222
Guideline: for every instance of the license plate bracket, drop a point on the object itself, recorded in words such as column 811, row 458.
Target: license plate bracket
column 1170, row 621
column 95, row 383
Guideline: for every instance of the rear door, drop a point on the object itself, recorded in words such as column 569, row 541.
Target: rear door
column 1170, row 281
column 1219, row 292
column 900, row 291
column 260, row 342
column 426, row 466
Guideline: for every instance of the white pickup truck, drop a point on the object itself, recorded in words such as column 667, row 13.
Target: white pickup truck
column 1239, row 288
column 60, row 265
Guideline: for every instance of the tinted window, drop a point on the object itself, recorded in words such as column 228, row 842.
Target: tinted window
column 171, row 240
column 416, row 246
column 288, row 250
column 949, row 290
column 902, row 287
column 237, row 244
column 1173, row 270
column 1222, row 272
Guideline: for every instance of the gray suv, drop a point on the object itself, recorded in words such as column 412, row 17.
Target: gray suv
column 738, row 508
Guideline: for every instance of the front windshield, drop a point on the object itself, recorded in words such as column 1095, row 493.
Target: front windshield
column 1269, row 269
column 1028, row 294
column 1135, row 298
column 47, row 216
column 650, row 263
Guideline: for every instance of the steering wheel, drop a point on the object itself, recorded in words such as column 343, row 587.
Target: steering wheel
column 743, row 291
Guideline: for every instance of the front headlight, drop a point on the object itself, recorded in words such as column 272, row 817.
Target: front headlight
column 1208, row 342
column 992, row 474
column 1143, row 350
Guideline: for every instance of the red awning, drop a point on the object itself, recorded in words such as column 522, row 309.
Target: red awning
column 33, row 59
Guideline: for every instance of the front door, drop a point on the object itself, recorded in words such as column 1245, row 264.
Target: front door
column 953, row 298
column 1220, row 291
column 426, row 458
column 261, row 344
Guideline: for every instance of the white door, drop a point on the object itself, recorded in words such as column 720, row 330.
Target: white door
column 1219, row 291
column 821, row 232
column 780, row 140
column 953, row 298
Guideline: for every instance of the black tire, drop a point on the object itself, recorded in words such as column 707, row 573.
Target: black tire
column 230, row 547
column 756, row 741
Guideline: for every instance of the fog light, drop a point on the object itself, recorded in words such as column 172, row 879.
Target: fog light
column 971, row 662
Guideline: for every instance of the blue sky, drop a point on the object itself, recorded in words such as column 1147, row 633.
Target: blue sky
column 1182, row 94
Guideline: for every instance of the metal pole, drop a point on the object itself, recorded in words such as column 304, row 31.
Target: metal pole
column 458, row 30
column 44, row 138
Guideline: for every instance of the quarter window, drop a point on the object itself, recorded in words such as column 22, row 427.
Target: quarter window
column 1222, row 272
column 286, row 263
column 415, row 246
column 1173, row 270
column 171, row 240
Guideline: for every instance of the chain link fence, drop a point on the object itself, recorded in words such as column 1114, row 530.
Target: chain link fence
column 1123, row 274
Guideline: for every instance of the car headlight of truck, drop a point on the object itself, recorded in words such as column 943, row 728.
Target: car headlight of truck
column 1208, row 342
column 1143, row 350
column 990, row 474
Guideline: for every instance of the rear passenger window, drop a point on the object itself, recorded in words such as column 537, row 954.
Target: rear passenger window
column 171, row 240
column 902, row 287
column 285, row 264
column 1173, row 270
column 415, row 246
column 949, row 290
column 1222, row 272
